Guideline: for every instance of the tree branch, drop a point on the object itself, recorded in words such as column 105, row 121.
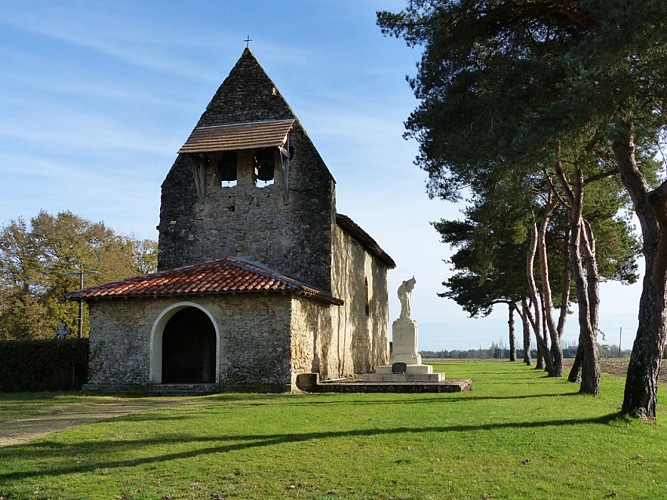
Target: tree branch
column 601, row 175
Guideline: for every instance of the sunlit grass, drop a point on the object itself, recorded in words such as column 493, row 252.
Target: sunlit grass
column 518, row 434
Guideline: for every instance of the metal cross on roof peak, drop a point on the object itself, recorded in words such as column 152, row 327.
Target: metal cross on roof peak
column 247, row 41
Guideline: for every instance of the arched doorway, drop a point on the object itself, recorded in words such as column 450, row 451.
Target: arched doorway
column 188, row 348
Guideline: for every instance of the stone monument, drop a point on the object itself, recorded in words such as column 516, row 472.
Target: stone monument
column 406, row 362
column 404, row 329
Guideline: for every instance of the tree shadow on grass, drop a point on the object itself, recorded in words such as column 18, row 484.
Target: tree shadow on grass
column 408, row 399
column 42, row 451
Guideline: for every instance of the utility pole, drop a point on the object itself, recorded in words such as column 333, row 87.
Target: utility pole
column 620, row 338
column 80, row 318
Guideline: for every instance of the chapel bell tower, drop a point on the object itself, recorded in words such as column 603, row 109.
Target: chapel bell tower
column 248, row 182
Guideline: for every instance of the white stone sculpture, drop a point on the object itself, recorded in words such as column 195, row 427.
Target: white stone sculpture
column 405, row 295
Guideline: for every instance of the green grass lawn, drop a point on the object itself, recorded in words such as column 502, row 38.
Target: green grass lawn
column 518, row 434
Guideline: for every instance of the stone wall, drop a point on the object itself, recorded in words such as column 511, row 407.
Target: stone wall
column 255, row 341
column 360, row 328
column 311, row 335
column 120, row 341
column 255, row 350
column 253, row 222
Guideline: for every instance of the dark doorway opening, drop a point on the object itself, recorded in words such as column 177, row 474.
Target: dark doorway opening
column 188, row 348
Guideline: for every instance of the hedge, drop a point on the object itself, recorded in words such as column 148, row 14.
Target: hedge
column 43, row 365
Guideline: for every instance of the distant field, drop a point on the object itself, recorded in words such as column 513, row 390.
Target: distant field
column 619, row 367
column 612, row 366
column 518, row 434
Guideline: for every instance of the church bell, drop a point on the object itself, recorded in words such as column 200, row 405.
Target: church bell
column 227, row 166
column 264, row 162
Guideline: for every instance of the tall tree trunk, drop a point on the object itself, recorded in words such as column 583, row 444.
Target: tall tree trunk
column 526, row 333
column 592, row 276
column 590, row 368
column 583, row 263
column 556, row 352
column 641, row 385
column 510, row 323
column 543, row 357
column 566, row 284
column 539, row 359
column 536, row 326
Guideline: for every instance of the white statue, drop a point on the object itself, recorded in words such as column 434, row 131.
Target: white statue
column 404, row 295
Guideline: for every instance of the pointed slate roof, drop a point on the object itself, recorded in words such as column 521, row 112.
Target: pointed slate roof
column 246, row 95
column 225, row 276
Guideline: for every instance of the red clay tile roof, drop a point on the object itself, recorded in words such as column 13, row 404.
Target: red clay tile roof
column 237, row 136
column 228, row 275
column 364, row 239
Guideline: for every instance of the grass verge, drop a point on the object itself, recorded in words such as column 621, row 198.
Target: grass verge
column 519, row 434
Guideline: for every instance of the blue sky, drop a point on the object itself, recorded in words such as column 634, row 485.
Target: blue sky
column 96, row 97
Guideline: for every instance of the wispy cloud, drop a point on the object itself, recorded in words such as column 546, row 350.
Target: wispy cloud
column 37, row 168
column 88, row 88
column 69, row 130
column 116, row 35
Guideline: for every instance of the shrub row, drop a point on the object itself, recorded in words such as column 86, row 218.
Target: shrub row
column 43, row 365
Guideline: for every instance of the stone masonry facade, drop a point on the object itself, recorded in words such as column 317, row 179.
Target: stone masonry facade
column 253, row 338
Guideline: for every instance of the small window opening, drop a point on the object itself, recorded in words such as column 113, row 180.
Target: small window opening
column 264, row 162
column 368, row 305
column 227, row 169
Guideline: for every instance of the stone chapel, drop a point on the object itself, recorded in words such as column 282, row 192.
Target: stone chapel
column 259, row 278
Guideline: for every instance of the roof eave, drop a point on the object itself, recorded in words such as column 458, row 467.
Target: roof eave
column 314, row 296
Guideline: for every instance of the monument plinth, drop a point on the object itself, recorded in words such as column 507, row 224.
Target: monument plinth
column 406, row 362
column 404, row 342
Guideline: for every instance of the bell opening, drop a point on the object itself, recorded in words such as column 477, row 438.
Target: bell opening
column 227, row 165
column 264, row 163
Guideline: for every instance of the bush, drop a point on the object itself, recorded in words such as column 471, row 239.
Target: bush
column 43, row 365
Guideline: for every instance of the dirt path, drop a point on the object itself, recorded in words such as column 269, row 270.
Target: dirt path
column 26, row 429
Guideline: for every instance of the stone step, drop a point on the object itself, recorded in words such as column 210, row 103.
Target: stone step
column 403, row 377
column 190, row 389
column 309, row 382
